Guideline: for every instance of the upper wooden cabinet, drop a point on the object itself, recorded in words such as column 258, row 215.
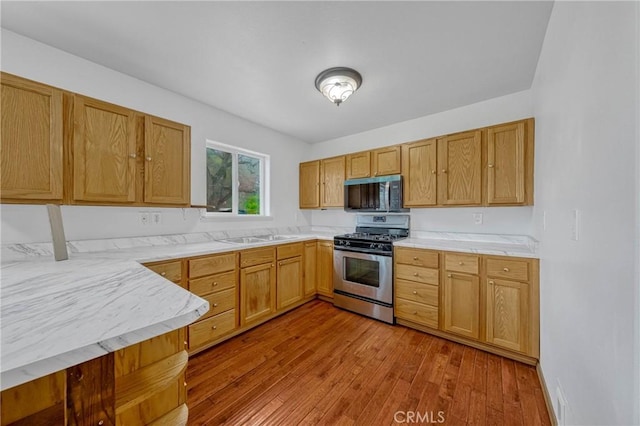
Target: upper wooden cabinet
column 71, row 149
column 31, row 141
column 378, row 162
column 110, row 153
column 419, row 170
column 460, row 168
column 167, row 172
column 386, row 161
column 309, row 185
column 509, row 163
column 104, row 152
column 332, row 173
column 358, row 165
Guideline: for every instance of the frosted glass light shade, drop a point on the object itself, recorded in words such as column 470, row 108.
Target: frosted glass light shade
column 337, row 84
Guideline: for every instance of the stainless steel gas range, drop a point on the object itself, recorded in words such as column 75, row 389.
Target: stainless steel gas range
column 363, row 265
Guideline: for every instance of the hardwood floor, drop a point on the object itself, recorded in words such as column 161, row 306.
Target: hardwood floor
column 321, row 365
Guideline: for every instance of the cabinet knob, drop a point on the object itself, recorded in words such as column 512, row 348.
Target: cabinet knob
column 415, row 257
column 185, row 343
column 133, row 156
column 448, row 275
column 460, row 263
column 184, row 384
column 272, row 265
column 415, row 312
column 433, row 172
column 415, row 292
column 148, row 158
column 215, row 305
column 163, row 273
column 101, row 422
column 505, row 269
column 280, row 263
column 415, row 274
column 491, row 166
column 444, row 170
column 215, row 327
column 215, row 283
column 491, row 282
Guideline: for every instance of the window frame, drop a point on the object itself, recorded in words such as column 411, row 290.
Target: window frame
column 265, row 183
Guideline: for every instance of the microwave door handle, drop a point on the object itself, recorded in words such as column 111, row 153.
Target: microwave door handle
column 388, row 191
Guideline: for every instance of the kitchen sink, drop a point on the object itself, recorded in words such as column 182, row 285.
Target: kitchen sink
column 244, row 240
column 257, row 239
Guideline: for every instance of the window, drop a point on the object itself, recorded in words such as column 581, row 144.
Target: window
column 237, row 181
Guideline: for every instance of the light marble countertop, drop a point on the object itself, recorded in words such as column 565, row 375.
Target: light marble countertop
column 58, row 314
column 491, row 244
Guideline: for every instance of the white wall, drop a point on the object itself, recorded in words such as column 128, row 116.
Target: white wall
column 586, row 109
column 37, row 61
column 505, row 220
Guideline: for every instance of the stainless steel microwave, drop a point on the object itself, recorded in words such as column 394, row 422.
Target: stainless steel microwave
column 377, row 194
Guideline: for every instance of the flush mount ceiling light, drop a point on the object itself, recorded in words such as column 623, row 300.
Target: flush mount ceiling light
column 338, row 83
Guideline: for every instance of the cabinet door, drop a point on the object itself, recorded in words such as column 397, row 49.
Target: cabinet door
column 325, row 268
column 459, row 164
column 104, row 152
column 257, row 293
column 358, row 165
column 508, row 314
column 419, row 173
column 462, row 305
column 386, row 161
column 332, row 178
column 310, row 268
column 40, row 401
column 167, row 172
column 290, row 284
column 506, row 164
column 310, row 185
column 31, row 140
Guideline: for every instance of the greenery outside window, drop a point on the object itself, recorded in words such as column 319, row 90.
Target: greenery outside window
column 237, row 181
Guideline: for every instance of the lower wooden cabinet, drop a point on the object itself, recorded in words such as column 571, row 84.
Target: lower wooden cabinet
column 142, row 384
column 310, row 274
column 461, row 304
column 211, row 329
column 257, row 293
column 325, row 268
column 289, row 275
column 508, row 314
column 491, row 302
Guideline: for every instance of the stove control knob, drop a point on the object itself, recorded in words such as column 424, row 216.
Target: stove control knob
column 347, row 243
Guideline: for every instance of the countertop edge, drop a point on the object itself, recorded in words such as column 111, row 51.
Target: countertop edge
column 43, row 367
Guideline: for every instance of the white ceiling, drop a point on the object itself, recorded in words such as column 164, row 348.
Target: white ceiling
column 258, row 60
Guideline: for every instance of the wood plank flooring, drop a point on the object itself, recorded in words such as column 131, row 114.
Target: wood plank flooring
column 319, row 365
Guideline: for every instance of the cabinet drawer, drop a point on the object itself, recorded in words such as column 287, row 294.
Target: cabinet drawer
column 467, row 263
column 417, row 273
column 416, row 292
column 507, row 268
column 257, row 256
column 417, row 312
column 211, row 329
column 212, row 265
column 417, row 257
column 170, row 270
column 289, row 250
column 206, row 285
column 219, row 302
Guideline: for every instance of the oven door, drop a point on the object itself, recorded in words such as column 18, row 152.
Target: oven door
column 364, row 274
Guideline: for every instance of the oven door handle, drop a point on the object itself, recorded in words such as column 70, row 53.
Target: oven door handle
column 360, row 255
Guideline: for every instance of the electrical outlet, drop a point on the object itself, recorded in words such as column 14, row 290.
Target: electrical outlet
column 144, row 218
column 477, row 218
column 561, row 407
column 575, row 224
column 156, row 218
